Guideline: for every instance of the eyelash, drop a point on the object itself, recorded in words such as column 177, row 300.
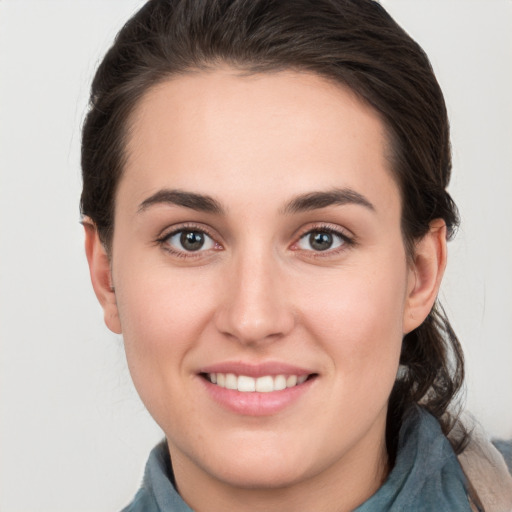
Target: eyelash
column 347, row 241
column 163, row 241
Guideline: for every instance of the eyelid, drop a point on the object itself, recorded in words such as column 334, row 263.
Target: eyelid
column 184, row 226
column 170, row 231
column 347, row 236
column 208, row 241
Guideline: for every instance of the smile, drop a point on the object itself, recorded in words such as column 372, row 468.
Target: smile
column 261, row 389
column 263, row 384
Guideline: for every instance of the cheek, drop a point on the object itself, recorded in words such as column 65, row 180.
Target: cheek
column 357, row 317
column 162, row 316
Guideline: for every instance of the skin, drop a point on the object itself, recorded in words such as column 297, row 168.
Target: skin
column 259, row 292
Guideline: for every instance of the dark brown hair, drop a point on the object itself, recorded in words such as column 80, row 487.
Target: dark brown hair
column 352, row 42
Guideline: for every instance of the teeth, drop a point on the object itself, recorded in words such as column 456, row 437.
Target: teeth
column 246, row 384
column 231, row 381
column 265, row 384
column 291, row 381
column 280, row 382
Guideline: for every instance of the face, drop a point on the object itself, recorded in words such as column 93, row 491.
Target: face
column 261, row 282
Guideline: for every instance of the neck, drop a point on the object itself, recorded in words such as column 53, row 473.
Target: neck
column 340, row 487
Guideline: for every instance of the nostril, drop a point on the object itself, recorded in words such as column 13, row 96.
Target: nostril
column 252, row 327
column 255, row 307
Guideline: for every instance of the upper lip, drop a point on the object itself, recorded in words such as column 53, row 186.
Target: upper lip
column 255, row 369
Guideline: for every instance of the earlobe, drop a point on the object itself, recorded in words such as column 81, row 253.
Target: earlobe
column 101, row 276
column 426, row 273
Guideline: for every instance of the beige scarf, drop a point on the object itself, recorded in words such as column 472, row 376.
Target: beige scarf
column 489, row 479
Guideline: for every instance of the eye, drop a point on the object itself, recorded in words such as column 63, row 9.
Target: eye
column 189, row 240
column 322, row 240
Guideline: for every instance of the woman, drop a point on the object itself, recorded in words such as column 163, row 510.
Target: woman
column 266, row 221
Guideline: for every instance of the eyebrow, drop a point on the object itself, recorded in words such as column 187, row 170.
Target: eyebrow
column 317, row 200
column 302, row 203
column 198, row 202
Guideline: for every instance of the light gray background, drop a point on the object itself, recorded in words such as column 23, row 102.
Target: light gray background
column 73, row 434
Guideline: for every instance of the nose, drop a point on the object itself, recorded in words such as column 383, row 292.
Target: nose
column 256, row 307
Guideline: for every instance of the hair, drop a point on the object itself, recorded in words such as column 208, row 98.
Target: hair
column 354, row 43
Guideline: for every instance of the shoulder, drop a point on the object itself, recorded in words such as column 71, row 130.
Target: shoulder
column 485, row 466
column 505, row 448
column 144, row 501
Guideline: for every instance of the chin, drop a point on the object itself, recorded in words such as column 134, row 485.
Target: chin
column 257, row 462
column 258, row 475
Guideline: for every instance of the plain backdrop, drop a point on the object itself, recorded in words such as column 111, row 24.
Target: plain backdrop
column 73, row 434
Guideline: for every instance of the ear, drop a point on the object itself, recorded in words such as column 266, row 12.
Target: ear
column 426, row 272
column 101, row 276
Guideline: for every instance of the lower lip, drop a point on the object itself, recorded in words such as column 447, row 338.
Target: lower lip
column 254, row 403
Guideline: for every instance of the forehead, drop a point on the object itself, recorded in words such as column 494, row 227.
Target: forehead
column 229, row 135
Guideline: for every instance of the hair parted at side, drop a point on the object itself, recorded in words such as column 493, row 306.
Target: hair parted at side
column 354, row 43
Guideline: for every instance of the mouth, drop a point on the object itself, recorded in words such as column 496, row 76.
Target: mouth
column 257, row 389
column 262, row 384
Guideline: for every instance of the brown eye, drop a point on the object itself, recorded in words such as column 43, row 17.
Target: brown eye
column 322, row 240
column 190, row 241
